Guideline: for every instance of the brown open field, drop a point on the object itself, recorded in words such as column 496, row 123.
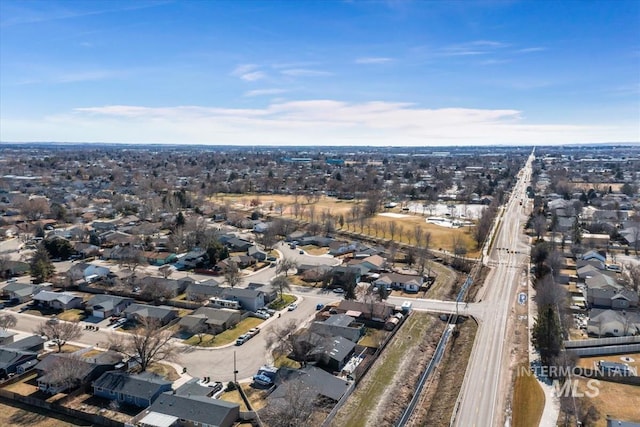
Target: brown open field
column 619, row 401
column 589, row 362
column 528, row 401
column 441, row 237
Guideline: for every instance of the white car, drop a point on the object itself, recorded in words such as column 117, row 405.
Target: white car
column 292, row 306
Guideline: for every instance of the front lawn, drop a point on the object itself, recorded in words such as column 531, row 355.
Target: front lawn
column 281, row 303
column 73, row 315
column 227, row 337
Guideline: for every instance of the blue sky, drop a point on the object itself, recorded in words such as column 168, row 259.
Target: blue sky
column 394, row 72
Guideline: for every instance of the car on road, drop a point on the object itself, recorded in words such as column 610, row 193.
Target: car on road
column 242, row 339
column 53, row 321
column 253, row 332
column 301, row 252
column 319, row 306
column 338, row 291
column 292, row 306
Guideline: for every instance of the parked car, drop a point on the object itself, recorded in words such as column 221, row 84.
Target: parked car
column 319, row 306
column 338, row 291
column 242, row 339
column 292, row 306
column 253, row 331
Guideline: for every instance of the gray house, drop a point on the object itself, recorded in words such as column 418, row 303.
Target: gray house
column 604, row 291
column 161, row 314
column 613, row 323
column 103, row 306
column 58, row 300
column 175, row 410
column 208, row 319
column 10, row 359
column 137, row 390
column 249, row 299
column 340, row 325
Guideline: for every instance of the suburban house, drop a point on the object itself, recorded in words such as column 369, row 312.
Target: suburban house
column 339, row 325
column 103, row 306
column 256, row 253
column 594, row 255
column 10, row 359
column 23, row 292
column 340, row 275
column 211, row 320
column 176, row 410
column 236, row 244
column 172, row 286
column 6, row 337
column 334, row 352
column 373, row 314
column 58, row 300
column 613, row 323
column 406, row 282
column 249, row 299
column 88, row 272
column 311, row 380
column 202, row 291
column 131, row 389
column 63, row 371
column 161, row 314
column 31, row 343
column 606, row 292
column 159, row 258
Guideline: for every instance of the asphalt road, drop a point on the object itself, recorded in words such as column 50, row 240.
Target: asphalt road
column 485, row 386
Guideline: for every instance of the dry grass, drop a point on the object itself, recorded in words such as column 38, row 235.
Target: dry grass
column 589, row 362
column 255, row 396
column 441, row 237
column 443, row 393
column 166, row 371
column 73, row 315
column 528, row 400
column 234, row 397
column 25, row 387
column 314, row 250
column 619, row 401
column 20, row 415
column 373, row 338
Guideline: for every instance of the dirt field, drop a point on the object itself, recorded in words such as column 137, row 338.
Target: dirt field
column 387, row 388
column 589, row 362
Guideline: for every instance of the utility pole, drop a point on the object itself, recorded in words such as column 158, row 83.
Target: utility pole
column 235, row 371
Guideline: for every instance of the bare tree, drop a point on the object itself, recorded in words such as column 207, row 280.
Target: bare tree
column 64, row 372
column 393, row 228
column 539, row 224
column 286, row 340
column 285, row 265
column 148, row 344
column 232, row 274
column 281, row 283
column 59, row 332
column 633, row 274
column 293, row 409
column 7, row 321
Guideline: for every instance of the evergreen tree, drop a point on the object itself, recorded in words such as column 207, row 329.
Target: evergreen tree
column 547, row 337
column 41, row 266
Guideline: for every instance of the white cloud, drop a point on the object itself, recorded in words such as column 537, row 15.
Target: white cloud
column 305, row 72
column 264, row 92
column 373, row 60
column 310, row 122
column 253, row 76
column 531, row 49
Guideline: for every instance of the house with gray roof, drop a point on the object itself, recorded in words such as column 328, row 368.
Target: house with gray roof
column 173, row 410
column 310, row 380
column 249, row 299
column 209, row 319
column 58, row 300
column 605, row 291
column 161, row 314
column 340, row 325
column 30, row 343
column 334, row 352
column 103, row 306
column 613, row 323
column 131, row 389
column 202, row 291
column 23, row 292
column 10, row 359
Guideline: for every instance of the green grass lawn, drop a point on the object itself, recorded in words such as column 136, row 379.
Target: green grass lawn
column 279, row 304
column 226, row 337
